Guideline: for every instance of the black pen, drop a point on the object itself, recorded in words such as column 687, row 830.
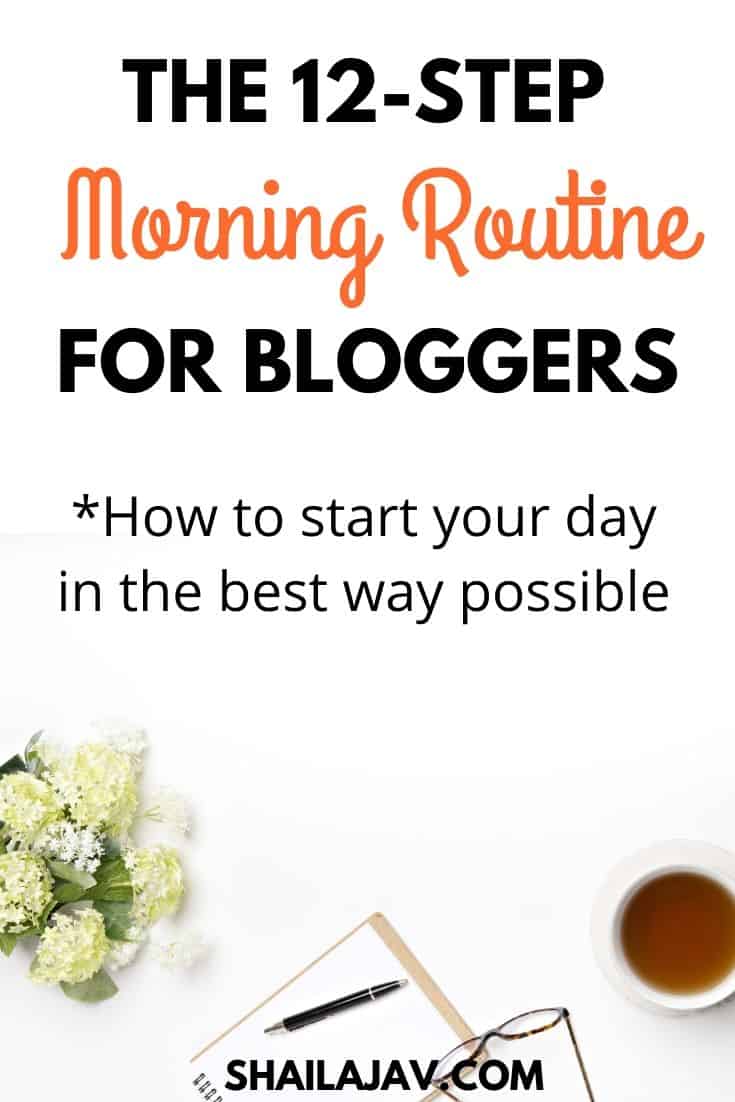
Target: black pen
column 326, row 1010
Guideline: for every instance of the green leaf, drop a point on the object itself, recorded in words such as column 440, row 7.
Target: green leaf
column 13, row 765
column 32, row 757
column 118, row 918
column 95, row 990
column 65, row 892
column 63, row 871
column 113, row 882
column 32, row 742
column 112, row 848
column 45, row 915
column 8, row 943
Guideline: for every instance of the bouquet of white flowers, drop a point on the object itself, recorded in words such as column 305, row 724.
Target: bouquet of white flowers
column 70, row 874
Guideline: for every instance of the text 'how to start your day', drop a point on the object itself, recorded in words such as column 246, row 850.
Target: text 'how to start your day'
column 438, row 525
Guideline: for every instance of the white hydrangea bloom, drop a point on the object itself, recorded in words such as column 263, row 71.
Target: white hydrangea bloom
column 123, row 953
column 98, row 786
column 123, row 736
column 171, row 808
column 184, row 953
column 50, row 751
column 158, row 882
column 25, row 891
column 78, row 846
column 27, row 805
column 71, row 949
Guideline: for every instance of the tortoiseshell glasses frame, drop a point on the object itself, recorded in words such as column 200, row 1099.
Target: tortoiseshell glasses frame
column 466, row 1056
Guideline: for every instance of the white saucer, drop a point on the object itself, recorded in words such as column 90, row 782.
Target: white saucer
column 698, row 855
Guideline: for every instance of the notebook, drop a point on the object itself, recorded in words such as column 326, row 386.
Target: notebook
column 417, row 1024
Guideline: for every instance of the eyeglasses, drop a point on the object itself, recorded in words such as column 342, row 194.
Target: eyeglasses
column 461, row 1064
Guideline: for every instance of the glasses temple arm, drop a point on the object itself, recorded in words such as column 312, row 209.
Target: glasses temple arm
column 580, row 1061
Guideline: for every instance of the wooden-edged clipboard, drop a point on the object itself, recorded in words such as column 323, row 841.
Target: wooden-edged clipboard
column 411, row 965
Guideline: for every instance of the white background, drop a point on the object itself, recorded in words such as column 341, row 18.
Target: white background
column 474, row 783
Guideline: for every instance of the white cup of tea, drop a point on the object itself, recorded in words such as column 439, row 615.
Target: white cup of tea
column 663, row 927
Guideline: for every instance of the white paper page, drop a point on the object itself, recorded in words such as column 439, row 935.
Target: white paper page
column 402, row 1026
